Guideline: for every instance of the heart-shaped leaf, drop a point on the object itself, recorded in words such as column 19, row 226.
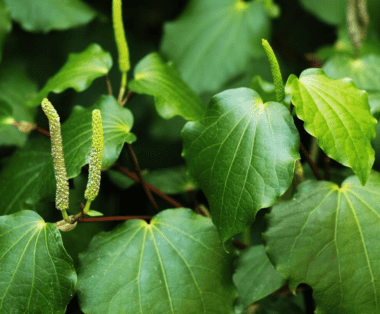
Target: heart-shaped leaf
column 338, row 115
column 78, row 72
column 202, row 42
column 36, row 273
column 77, row 134
column 174, row 264
column 327, row 237
column 172, row 96
column 41, row 15
column 242, row 153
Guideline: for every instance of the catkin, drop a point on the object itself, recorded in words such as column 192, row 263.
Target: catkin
column 62, row 183
column 93, row 184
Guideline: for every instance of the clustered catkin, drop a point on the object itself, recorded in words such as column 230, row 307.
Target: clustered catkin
column 93, row 183
column 62, row 183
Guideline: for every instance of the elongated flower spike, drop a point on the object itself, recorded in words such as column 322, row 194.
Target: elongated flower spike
column 62, row 183
column 93, row 184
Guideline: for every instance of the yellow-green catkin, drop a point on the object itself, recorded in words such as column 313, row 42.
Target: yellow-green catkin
column 93, row 184
column 62, row 183
column 121, row 41
column 275, row 69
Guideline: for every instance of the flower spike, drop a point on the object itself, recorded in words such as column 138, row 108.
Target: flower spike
column 62, row 183
column 93, row 184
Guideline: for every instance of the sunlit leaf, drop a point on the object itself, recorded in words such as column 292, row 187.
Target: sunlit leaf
column 44, row 16
column 327, row 237
column 77, row 134
column 36, row 273
column 214, row 40
column 338, row 115
column 242, row 154
column 78, row 72
column 175, row 264
column 154, row 77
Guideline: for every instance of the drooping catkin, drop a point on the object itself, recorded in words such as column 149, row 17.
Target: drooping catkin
column 93, row 183
column 62, row 183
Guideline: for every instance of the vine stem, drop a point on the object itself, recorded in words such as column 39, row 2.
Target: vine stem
column 148, row 193
column 135, row 178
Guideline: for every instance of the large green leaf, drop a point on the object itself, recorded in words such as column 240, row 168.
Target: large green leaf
column 327, row 237
column 214, row 40
column 172, row 96
column 255, row 276
column 78, row 72
column 332, row 12
column 364, row 71
column 28, row 176
column 43, row 15
column 5, row 25
column 338, row 115
column 15, row 90
column 242, row 154
column 36, row 274
column 175, row 264
column 77, row 134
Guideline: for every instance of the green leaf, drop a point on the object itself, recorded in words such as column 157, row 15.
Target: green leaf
column 364, row 71
column 331, row 12
column 5, row 115
column 78, row 72
column 326, row 236
column 37, row 275
column 172, row 96
column 16, row 89
column 28, row 176
column 5, row 25
column 213, row 40
column 77, row 134
column 255, row 276
column 338, row 115
column 242, row 153
column 174, row 264
column 374, row 102
column 44, row 16
column 94, row 213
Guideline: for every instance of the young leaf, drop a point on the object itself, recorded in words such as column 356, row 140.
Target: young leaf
column 364, row 71
column 338, row 115
column 35, row 268
column 214, row 40
column 153, row 268
column 44, row 16
column 172, row 95
column 77, row 134
column 255, row 276
column 78, row 72
column 242, row 154
column 326, row 236
column 20, row 180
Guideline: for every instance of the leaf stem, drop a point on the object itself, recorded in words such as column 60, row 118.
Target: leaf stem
column 114, row 218
column 311, row 163
column 108, row 84
column 87, row 207
column 148, row 193
column 275, row 69
column 122, row 87
column 327, row 168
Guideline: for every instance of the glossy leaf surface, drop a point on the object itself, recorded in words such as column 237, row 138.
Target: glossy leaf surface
column 255, row 276
column 44, row 16
column 77, row 134
column 242, row 154
column 78, row 72
column 364, row 71
column 326, row 236
column 154, row 77
column 202, row 41
column 338, row 115
column 20, row 180
column 36, row 273
column 175, row 264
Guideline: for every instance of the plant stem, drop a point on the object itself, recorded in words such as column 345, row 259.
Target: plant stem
column 128, row 97
column 87, row 207
column 114, row 218
column 108, row 84
column 311, row 163
column 246, row 236
column 122, row 87
column 132, row 155
column 314, row 150
column 327, row 168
